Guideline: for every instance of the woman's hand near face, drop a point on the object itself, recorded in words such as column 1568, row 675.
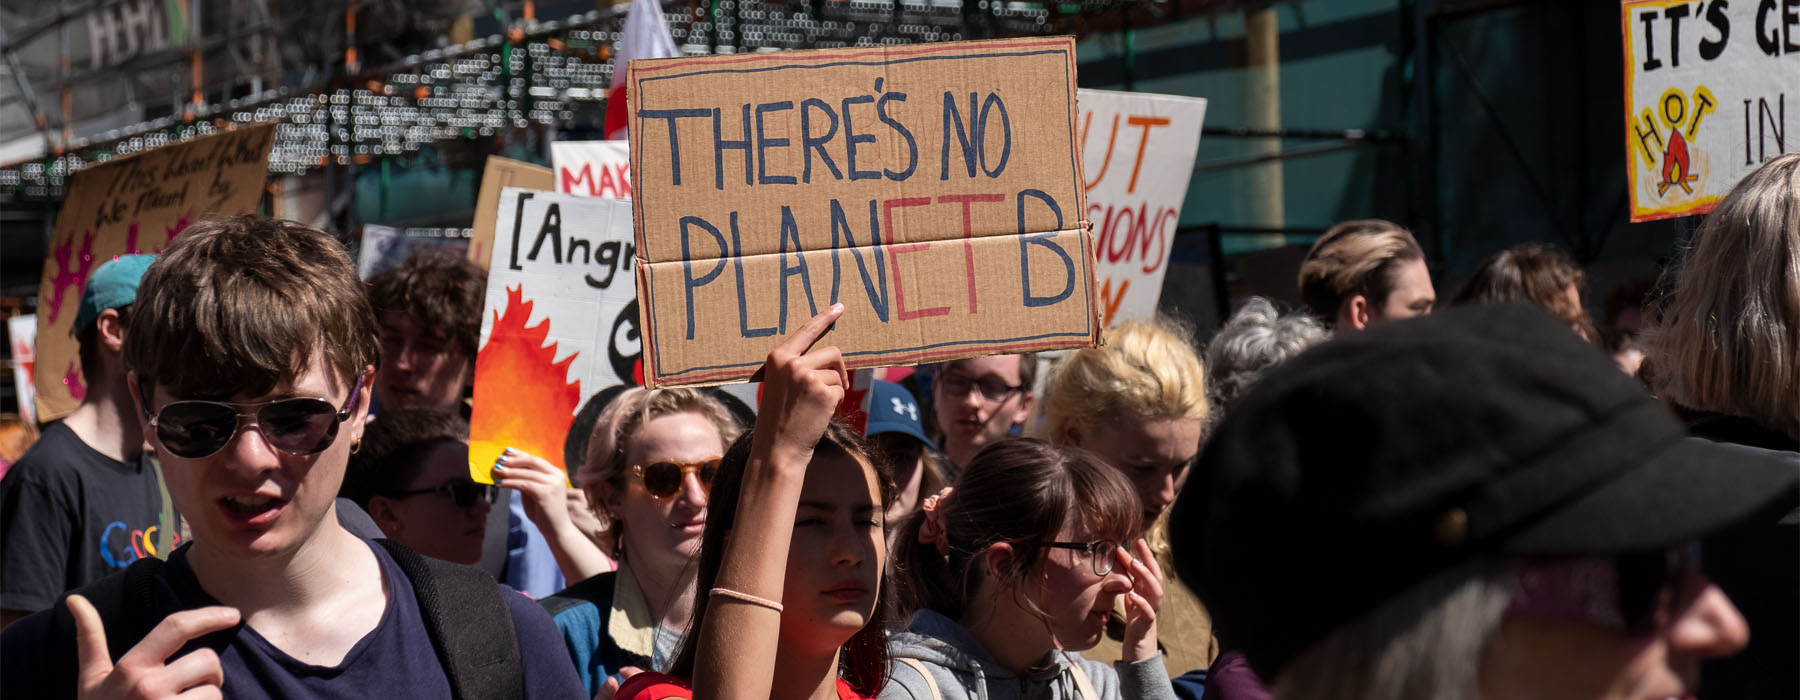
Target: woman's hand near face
column 545, row 493
column 1142, row 602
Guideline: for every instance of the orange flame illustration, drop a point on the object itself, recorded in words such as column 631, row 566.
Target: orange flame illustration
column 1675, row 169
column 523, row 398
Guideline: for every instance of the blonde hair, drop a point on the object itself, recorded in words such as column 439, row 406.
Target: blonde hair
column 1145, row 370
column 1728, row 340
column 628, row 412
column 1352, row 258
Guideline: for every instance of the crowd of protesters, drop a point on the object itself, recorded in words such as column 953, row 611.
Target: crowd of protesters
column 265, row 493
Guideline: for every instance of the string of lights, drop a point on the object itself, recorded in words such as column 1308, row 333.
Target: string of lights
column 539, row 73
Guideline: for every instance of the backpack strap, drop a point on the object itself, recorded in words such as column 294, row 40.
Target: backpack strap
column 469, row 624
column 1083, row 684
column 930, row 683
column 128, row 611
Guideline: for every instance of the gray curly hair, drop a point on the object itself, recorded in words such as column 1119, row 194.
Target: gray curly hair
column 1255, row 339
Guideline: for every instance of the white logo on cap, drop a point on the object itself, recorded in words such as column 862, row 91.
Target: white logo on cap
column 905, row 408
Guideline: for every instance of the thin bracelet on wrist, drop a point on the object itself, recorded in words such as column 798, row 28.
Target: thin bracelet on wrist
column 747, row 598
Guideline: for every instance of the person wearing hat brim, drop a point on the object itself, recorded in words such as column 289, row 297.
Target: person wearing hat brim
column 1475, row 504
column 84, row 501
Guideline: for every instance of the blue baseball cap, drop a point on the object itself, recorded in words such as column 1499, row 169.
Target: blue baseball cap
column 114, row 285
column 892, row 409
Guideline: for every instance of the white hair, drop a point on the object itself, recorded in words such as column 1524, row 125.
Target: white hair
column 1424, row 644
column 1255, row 339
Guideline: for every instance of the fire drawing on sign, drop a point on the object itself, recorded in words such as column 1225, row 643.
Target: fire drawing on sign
column 517, row 363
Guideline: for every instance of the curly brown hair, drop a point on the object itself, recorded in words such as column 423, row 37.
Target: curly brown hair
column 440, row 290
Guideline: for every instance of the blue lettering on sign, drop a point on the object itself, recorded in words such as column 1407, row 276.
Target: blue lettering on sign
column 1045, row 239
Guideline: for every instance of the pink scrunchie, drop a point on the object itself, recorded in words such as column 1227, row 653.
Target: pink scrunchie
column 931, row 531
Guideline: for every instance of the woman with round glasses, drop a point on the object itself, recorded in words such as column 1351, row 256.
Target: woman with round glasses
column 412, row 476
column 1014, row 569
column 650, row 463
column 1139, row 403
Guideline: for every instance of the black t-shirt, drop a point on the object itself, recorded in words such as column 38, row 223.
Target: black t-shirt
column 395, row 661
column 69, row 516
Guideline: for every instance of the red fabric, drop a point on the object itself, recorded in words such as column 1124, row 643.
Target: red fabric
column 659, row 686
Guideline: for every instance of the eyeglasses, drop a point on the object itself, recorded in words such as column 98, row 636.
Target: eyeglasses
column 991, row 388
column 662, row 480
column 1626, row 593
column 1100, row 553
column 464, row 494
column 301, row 426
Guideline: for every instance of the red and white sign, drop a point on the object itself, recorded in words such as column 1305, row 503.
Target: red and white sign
column 1137, row 152
column 592, row 168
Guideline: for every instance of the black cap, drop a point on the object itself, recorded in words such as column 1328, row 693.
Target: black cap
column 1372, row 462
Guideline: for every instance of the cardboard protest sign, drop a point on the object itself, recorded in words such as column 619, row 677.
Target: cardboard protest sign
column 560, row 323
column 22, row 331
column 1705, row 103
column 134, row 204
column 499, row 174
column 935, row 190
column 592, row 168
column 1138, row 154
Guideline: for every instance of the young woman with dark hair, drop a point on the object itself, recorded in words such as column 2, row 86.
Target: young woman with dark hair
column 1014, row 568
column 788, row 591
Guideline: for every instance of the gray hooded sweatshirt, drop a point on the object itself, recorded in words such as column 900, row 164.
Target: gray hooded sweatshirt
column 963, row 670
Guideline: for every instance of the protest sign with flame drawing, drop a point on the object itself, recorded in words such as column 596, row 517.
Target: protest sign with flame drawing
column 1706, row 88
column 559, row 326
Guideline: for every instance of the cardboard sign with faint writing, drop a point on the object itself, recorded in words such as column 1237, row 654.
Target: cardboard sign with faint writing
column 592, row 168
column 935, row 190
column 560, row 323
column 1706, row 98
column 499, row 174
column 134, row 204
column 1138, row 153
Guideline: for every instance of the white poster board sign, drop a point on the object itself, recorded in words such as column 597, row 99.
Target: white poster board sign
column 1706, row 88
column 559, row 325
column 1137, row 154
column 592, row 168
column 21, row 331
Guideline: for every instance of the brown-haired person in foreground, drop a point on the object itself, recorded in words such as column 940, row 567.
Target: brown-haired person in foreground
column 1725, row 354
column 1365, row 272
column 253, row 348
column 1536, row 272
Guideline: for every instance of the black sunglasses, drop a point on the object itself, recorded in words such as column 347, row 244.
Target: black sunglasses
column 195, row 429
column 464, row 494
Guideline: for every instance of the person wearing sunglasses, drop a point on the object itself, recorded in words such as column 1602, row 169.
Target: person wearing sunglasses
column 412, row 476
column 253, row 346
column 651, row 459
column 1476, row 504
column 1006, row 576
column 980, row 400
